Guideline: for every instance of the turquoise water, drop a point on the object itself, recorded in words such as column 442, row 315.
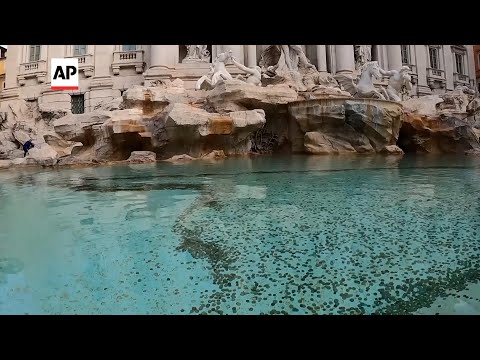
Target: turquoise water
column 289, row 235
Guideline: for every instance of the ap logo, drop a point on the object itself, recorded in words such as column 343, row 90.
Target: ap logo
column 64, row 74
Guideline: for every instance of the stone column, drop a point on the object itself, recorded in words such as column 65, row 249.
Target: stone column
column 321, row 58
column 103, row 58
column 449, row 66
column 251, row 55
column 345, row 59
column 58, row 99
column 54, row 51
column 470, row 65
column 422, row 61
column 237, row 51
column 12, row 65
column 163, row 56
column 101, row 87
column 394, row 57
column 163, row 59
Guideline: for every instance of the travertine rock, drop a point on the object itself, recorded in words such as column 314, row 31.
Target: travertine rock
column 21, row 136
column 392, row 149
column 437, row 133
column 180, row 158
column 42, row 154
column 318, row 143
column 236, row 95
column 5, row 164
column 154, row 99
column 422, row 105
column 142, row 157
column 333, row 126
column 215, row 154
column 186, row 129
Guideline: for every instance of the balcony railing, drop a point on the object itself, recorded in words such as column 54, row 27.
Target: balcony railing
column 436, row 73
column 85, row 64
column 125, row 59
column 460, row 78
column 435, row 78
column 34, row 69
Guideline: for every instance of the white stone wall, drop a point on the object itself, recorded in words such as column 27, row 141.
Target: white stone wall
column 107, row 70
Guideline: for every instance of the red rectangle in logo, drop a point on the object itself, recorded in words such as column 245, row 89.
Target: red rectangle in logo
column 64, row 87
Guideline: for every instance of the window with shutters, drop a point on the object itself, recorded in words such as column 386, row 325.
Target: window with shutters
column 34, row 53
column 405, row 54
column 129, row 47
column 459, row 64
column 79, row 50
column 434, row 61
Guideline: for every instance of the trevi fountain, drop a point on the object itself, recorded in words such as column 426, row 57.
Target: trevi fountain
column 279, row 190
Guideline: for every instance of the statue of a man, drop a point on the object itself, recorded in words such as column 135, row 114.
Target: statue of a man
column 398, row 82
column 363, row 55
column 278, row 59
column 218, row 72
column 197, row 52
column 254, row 76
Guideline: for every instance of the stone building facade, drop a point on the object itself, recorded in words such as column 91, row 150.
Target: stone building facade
column 476, row 54
column 3, row 53
column 107, row 70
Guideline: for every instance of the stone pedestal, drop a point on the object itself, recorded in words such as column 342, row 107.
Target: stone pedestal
column 56, row 99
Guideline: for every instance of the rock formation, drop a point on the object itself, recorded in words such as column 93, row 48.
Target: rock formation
column 286, row 105
column 142, row 157
column 344, row 126
column 439, row 124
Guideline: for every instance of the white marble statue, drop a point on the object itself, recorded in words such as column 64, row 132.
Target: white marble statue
column 254, row 76
column 281, row 59
column 399, row 82
column 364, row 88
column 197, row 53
column 457, row 100
column 218, row 71
column 363, row 55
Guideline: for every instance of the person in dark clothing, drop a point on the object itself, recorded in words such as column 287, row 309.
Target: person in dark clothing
column 27, row 146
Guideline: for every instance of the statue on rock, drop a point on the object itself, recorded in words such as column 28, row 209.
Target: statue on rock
column 217, row 73
column 196, row 53
column 363, row 55
column 166, row 83
column 458, row 100
column 285, row 63
column 254, row 76
column 399, row 82
column 322, row 85
column 364, row 88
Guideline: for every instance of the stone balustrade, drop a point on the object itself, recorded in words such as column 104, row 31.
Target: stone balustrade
column 35, row 69
column 124, row 59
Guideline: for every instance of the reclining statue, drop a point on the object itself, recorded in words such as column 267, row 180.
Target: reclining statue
column 217, row 72
column 254, row 76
